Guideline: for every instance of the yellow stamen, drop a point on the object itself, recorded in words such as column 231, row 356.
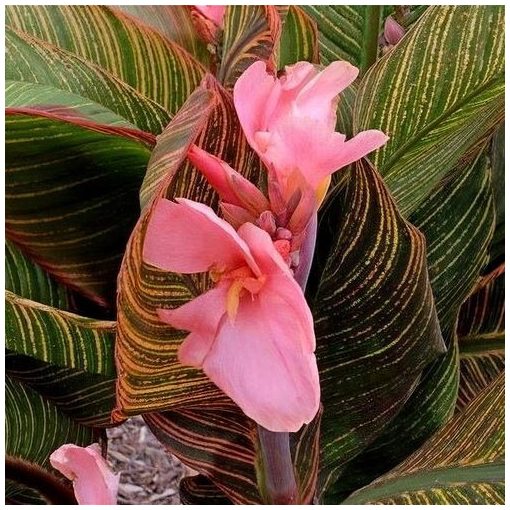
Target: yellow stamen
column 233, row 297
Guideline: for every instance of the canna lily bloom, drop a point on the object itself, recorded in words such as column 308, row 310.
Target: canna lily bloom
column 213, row 12
column 93, row 481
column 393, row 31
column 252, row 333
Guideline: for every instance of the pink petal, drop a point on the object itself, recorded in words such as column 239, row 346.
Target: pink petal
column 264, row 360
column 188, row 237
column 201, row 317
column 256, row 94
column 213, row 12
column 93, row 480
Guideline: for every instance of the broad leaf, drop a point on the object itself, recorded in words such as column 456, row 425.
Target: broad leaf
column 175, row 22
column 462, row 464
column 34, row 61
column 72, row 197
column 436, row 94
column 347, row 32
column 457, row 221
column 251, row 32
column 136, row 54
column 481, row 339
column 150, row 376
column 375, row 319
column 26, row 279
column 198, row 490
column 299, row 38
column 34, row 428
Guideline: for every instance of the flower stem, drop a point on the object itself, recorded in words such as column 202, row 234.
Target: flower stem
column 279, row 482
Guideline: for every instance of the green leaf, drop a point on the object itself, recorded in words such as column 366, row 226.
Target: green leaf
column 26, row 279
column 457, row 221
column 299, row 39
column 150, row 375
column 481, row 339
column 132, row 51
column 375, row 320
column 347, row 32
column 66, row 358
column 75, row 224
column 34, row 428
column 33, row 61
column 439, row 92
column 175, row 22
column 462, row 464
column 173, row 144
column 251, row 32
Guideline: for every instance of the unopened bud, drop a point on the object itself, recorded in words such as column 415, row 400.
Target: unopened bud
column 393, row 32
column 267, row 222
column 283, row 233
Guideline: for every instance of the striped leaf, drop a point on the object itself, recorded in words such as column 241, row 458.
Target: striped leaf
column 174, row 142
column 497, row 251
column 457, row 221
column 221, row 443
column 251, row 32
column 74, row 224
column 34, row 61
column 66, row 358
column 34, row 428
column 436, row 94
column 481, row 339
column 150, row 376
column 27, row 279
column 347, row 32
column 299, row 39
column 462, row 464
column 375, row 320
column 199, row 490
column 136, row 54
column 175, row 22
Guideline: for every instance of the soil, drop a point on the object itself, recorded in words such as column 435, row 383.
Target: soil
column 149, row 475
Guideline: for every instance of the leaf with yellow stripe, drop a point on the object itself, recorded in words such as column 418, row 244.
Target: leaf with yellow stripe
column 462, row 464
column 132, row 51
column 66, row 358
column 251, row 33
column 175, row 22
column 375, row 319
column 481, row 339
column 34, row 61
column 150, row 375
column 347, row 32
column 439, row 92
column 457, row 222
column 72, row 196
column 299, row 38
column 34, row 428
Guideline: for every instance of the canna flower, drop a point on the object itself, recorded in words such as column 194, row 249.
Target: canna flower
column 290, row 122
column 93, row 481
column 252, row 333
column 214, row 13
column 393, row 31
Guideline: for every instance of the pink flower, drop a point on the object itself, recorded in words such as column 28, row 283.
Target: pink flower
column 252, row 333
column 213, row 12
column 93, row 481
column 393, row 32
column 290, row 121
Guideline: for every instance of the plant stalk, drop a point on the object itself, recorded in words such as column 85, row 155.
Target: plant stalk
column 280, row 485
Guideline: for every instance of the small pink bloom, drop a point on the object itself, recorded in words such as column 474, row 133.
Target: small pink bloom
column 93, row 481
column 213, row 12
column 290, row 121
column 393, row 31
column 252, row 333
